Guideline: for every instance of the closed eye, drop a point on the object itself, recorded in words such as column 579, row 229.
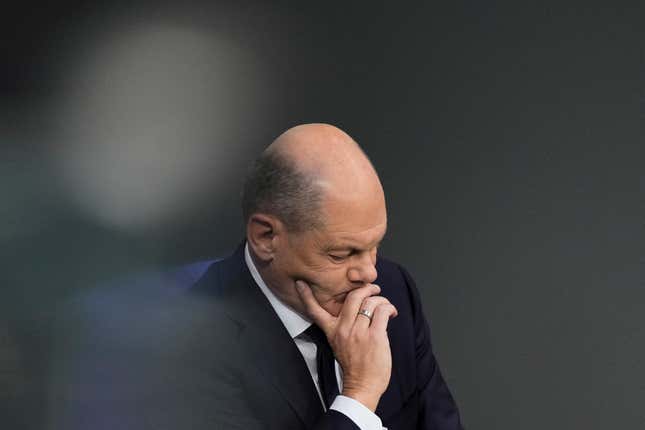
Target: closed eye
column 338, row 258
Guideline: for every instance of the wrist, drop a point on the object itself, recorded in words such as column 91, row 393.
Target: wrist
column 368, row 400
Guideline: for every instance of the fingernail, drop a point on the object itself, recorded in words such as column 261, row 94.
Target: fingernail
column 300, row 285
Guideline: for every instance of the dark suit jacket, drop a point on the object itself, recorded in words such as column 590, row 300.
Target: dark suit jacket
column 215, row 355
column 272, row 383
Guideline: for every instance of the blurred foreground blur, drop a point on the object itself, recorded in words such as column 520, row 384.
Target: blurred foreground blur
column 123, row 134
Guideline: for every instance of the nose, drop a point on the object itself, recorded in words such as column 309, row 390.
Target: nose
column 364, row 268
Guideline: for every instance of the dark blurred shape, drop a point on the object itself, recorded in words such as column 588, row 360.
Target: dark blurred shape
column 121, row 343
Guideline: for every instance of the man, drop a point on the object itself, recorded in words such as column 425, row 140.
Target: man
column 315, row 214
column 303, row 327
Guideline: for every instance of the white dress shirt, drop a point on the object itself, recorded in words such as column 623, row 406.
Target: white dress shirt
column 296, row 324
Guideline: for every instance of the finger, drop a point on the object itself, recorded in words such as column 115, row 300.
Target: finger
column 381, row 317
column 320, row 316
column 353, row 303
column 369, row 305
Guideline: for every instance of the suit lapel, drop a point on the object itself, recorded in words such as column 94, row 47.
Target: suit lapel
column 265, row 341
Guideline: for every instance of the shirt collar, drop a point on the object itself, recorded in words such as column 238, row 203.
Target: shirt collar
column 293, row 321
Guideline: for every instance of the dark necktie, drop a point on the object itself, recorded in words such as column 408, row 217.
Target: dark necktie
column 325, row 365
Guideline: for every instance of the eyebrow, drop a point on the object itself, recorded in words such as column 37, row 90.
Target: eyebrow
column 348, row 247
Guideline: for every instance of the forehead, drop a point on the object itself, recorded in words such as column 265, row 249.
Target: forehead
column 351, row 239
column 357, row 223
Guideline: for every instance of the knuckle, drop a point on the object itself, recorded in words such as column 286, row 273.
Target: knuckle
column 342, row 333
column 381, row 307
column 373, row 302
column 356, row 336
column 369, row 302
column 384, row 309
column 383, row 301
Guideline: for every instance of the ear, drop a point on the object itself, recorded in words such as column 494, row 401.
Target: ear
column 263, row 233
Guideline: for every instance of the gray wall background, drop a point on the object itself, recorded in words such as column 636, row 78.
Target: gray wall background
column 509, row 138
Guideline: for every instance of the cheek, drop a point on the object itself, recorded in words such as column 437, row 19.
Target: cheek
column 332, row 284
column 332, row 279
column 329, row 301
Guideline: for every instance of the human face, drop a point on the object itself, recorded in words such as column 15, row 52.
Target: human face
column 338, row 257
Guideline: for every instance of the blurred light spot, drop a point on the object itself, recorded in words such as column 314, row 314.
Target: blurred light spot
column 153, row 123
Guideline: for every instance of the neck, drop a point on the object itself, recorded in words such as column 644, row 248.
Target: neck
column 285, row 293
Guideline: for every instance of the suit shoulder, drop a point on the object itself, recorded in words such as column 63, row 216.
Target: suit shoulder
column 385, row 265
column 216, row 277
column 398, row 285
column 390, row 271
column 394, row 280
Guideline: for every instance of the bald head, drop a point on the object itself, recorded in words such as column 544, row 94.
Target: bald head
column 327, row 154
column 305, row 167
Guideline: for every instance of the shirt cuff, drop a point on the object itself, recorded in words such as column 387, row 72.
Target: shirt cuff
column 357, row 412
